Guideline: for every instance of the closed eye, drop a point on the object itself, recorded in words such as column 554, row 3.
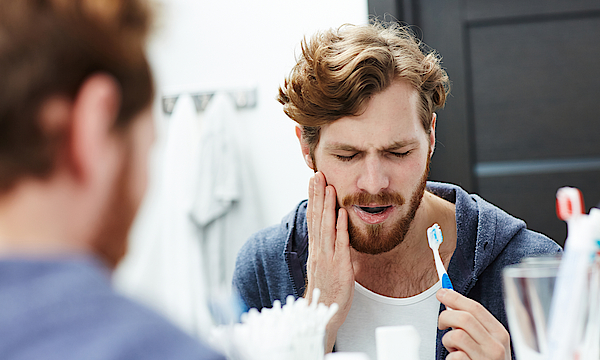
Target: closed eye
column 345, row 158
column 400, row 154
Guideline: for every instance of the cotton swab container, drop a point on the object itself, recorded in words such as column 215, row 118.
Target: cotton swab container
column 295, row 331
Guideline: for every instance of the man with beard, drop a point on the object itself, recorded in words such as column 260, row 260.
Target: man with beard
column 75, row 131
column 364, row 99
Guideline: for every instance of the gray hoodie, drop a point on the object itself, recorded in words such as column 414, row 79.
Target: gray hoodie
column 272, row 263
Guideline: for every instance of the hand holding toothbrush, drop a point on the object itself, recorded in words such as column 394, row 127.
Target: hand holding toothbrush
column 329, row 266
column 475, row 334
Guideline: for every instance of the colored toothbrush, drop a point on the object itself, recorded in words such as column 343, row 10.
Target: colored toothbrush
column 434, row 237
column 568, row 309
column 569, row 203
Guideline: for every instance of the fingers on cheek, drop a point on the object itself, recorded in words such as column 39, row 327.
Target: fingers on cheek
column 342, row 220
column 329, row 202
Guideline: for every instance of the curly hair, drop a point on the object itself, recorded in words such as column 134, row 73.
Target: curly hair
column 50, row 47
column 340, row 69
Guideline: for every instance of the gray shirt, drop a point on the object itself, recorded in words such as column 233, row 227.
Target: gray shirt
column 66, row 309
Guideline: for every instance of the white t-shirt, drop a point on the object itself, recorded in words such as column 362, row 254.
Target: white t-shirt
column 370, row 310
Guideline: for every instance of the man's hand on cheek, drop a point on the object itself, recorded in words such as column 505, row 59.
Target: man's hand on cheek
column 329, row 266
column 475, row 334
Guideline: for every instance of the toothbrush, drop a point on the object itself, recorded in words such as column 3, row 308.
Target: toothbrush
column 568, row 308
column 434, row 237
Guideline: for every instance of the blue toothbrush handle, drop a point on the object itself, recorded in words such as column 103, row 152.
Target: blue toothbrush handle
column 446, row 283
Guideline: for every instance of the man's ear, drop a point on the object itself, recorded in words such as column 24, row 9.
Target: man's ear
column 305, row 148
column 95, row 111
column 432, row 135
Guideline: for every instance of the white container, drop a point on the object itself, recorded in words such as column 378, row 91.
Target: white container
column 347, row 356
column 397, row 342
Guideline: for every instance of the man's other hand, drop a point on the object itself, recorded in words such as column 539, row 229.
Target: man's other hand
column 476, row 333
column 329, row 265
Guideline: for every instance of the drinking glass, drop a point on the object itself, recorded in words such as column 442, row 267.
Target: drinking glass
column 528, row 289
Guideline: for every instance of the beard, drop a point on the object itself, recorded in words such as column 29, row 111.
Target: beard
column 376, row 240
column 110, row 244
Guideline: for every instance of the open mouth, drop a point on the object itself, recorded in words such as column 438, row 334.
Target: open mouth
column 373, row 214
column 374, row 209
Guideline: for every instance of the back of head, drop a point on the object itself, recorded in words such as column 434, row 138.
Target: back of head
column 340, row 69
column 48, row 48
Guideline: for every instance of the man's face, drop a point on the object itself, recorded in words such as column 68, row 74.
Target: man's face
column 378, row 163
column 129, row 189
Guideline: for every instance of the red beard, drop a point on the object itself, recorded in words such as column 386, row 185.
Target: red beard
column 376, row 241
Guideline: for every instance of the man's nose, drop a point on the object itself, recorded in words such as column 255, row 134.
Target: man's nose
column 373, row 178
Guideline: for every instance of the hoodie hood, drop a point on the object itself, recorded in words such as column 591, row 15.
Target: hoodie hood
column 478, row 242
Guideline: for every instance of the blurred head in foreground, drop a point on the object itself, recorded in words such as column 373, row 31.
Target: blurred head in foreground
column 75, row 132
column 75, row 125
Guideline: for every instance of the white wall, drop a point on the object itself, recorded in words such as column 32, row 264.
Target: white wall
column 205, row 46
column 231, row 44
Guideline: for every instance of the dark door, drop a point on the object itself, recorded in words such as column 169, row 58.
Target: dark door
column 523, row 117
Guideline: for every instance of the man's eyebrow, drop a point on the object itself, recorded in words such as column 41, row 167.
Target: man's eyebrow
column 393, row 146
column 400, row 144
column 341, row 147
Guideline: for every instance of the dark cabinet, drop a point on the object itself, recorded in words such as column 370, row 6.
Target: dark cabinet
column 523, row 116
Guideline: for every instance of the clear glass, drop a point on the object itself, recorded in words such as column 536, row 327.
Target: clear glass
column 528, row 288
